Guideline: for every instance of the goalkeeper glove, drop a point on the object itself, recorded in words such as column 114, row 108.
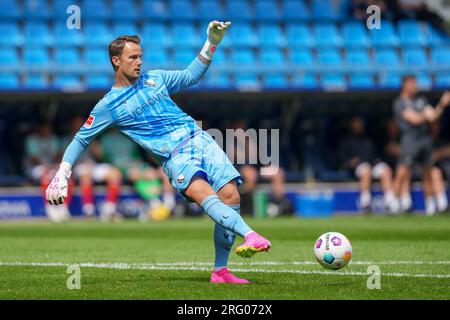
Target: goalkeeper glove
column 215, row 32
column 56, row 191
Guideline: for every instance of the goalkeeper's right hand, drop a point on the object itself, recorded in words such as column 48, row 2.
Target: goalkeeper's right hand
column 56, row 192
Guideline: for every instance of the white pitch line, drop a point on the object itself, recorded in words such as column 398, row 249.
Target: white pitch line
column 193, row 267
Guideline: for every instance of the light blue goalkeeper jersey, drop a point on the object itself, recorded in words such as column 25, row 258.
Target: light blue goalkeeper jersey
column 144, row 112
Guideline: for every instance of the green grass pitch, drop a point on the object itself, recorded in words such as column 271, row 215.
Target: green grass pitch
column 172, row 259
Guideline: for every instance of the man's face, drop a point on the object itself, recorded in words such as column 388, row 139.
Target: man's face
column 130, row 61
column 410, row 86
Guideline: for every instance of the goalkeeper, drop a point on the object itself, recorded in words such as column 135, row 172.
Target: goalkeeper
column 140, row 107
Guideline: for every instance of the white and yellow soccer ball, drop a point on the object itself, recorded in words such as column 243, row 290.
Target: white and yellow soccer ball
column 333, row 250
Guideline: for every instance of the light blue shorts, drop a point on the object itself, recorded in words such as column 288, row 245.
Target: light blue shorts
column 199, row 156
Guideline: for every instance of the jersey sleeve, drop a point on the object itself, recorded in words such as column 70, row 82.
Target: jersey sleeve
column 179, row 79
column 98, row 121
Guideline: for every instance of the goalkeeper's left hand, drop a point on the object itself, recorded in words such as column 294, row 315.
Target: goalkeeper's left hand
column 215, row 32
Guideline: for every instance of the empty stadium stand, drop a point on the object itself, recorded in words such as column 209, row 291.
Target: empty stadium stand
column 272, row 44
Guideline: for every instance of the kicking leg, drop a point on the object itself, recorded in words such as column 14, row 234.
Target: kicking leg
column 202, row 193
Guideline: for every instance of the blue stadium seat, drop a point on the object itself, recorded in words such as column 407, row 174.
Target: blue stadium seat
column 361, row 80
column 247, row 81
column 99, row 81
column 97, row 34
column 184, row 34
column 155, row 58
column 299, row 35
column 14, row 37
column 154, row 10
column 242, row 35
column 354, row 35
column 125, row 28
column 442, row 80
column 59, row 9
column 386, row 36
column 270, row 35
column 327, row 35
column 38, row 33
column 275, row 80
column 243, row 58
column 124, row 10
column 424, row 81
column 434, row 36
column 411, row 34
column 9, row 59
column 387, row 57
column 305, row 80
column 415, row 57
column 359, row 60
column 94, row 9
column 302, row 58
column 36, row 58
column 182, row 10
column 333, row 81
column 9, row 81
column 216, row 80
column 10, row 10
column 220, row 58
column 183, row 57
column 67, row 58
column 239, row 10
column 390, row 79
column 36, row 9
column 35, row 81
column 327, row 10
column 67, row 82
column 267, row 10
column 330, row 59
column 155, row 35
column 211, row 10
column 440, row 56
column 272, row 58
column 67, row 37
column 295, row 10
column 97, row 59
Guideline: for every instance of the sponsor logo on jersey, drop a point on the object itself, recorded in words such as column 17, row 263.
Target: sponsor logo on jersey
column 89, row 121
column 150, row 83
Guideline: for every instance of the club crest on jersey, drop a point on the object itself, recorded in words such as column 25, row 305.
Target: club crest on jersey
column 89, row 122
column 150, row 83
column 180, row 178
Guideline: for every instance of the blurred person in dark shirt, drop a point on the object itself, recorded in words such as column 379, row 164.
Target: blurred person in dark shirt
column 358, row 155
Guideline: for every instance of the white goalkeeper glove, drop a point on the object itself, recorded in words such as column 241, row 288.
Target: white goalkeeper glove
column 56, row 191
column 215, row 32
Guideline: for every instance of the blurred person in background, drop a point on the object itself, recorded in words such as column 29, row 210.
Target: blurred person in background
column 357, row 154
column 245, row 156
column 43, row 150
column 414, row 114
column 392, row 151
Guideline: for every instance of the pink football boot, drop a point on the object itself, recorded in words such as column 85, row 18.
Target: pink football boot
column 253, row 244
column 225, row 276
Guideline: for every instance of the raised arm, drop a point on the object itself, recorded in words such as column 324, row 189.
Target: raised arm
column 98, row 121
column 180, row 79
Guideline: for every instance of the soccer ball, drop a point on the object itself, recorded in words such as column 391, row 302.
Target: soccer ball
column 333, row 250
